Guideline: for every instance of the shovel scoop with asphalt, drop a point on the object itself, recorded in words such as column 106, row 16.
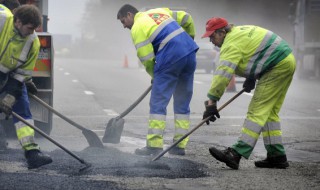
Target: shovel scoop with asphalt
column 115, row 125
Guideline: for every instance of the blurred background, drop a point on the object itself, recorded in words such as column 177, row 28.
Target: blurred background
column 90, row 29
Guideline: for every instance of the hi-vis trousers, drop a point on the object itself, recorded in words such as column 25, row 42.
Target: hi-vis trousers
column 263, row 113
column 177, row 81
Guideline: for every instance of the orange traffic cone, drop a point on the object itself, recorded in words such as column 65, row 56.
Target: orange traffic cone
column 125, row 63
column 232, row 85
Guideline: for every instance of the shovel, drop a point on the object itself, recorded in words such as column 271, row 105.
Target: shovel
column 115, row 125
column 196, row 127
column 91, row 137
column 88, row 165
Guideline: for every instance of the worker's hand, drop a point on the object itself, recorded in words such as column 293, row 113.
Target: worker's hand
column 6, row 104
column 211, row 110
column 249, row 85
column 31, row 87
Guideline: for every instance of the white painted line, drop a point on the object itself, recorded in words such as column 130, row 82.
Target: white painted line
column 66, row 73
column 88, row 93
column 198, row 82
column 74, row 80
column 135, row 141
column 97, row 130
column 111, row 112
column 132, row 117
column 60, row 69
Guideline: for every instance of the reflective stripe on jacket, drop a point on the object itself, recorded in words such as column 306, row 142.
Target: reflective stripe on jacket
column 17, row 54
column 248, row 51
column 159, row 38
column 184, row 19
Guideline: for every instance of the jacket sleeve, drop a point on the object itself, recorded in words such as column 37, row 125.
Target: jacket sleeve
column 24, row 72
column 228, row 63
column 144, row 48
column 185, row 20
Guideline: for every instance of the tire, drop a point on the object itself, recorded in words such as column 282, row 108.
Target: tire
column 10, row 129
column 45, row 127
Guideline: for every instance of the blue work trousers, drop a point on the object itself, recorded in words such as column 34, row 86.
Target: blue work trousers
column 175, row 79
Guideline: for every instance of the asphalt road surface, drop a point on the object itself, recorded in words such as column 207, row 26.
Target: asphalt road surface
column 92, row 92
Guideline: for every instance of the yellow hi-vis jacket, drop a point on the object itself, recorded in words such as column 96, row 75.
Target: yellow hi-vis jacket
column 247, row 51
column 160, row 38
column 18, row 55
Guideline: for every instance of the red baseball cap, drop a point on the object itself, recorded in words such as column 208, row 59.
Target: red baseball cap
column 213, row 24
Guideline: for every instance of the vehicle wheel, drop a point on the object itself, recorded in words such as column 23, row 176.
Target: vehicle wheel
column 45, row 127
column 10, row 129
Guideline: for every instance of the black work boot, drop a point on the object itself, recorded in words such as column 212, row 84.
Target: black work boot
column 35, row 158
column 146, row 151
column 177, row 151
column 273, row 162
column 228, row 156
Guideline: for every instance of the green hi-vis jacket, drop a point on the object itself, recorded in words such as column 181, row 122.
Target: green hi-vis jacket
column 247, row 51
column 161, row 35
column 18, row 55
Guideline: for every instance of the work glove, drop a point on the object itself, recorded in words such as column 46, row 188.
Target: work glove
column 211, row 110
column 249, row 85
column 31, row 87
column 6, row 104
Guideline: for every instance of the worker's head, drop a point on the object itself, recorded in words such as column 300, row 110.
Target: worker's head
column 26, row 19
column 11, row 4
column 216, row 30
column 126, row 15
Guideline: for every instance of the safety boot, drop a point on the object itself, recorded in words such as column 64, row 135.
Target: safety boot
column 177, row 151
column 35, row 158
column 273, row 162
column 228, row 156
column 146, row 151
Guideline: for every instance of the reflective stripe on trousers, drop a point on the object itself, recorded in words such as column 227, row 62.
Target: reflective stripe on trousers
column 24, row 133
column 157, row 125
column 265, row 105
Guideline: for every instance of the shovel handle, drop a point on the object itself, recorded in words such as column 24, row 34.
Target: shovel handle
column 47, row 137
column 128, row 110
column 196, row 127
column 56, row 112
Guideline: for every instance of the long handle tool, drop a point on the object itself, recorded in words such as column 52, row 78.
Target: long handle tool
column 195, row 128
column 91, row 137
column 50, row 139
column 115, row 126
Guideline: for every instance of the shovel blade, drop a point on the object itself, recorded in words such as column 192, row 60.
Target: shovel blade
column 92, row 139
column 113, row 131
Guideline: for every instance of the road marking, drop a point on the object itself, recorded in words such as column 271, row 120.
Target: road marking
column 88, row 92
column 128, row 144
column 198, row 82
column 60, row 69
column 66, row 73
column 74, row 80
column 111, row 112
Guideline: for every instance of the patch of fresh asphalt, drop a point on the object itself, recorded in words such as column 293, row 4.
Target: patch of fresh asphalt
column 106, row 162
